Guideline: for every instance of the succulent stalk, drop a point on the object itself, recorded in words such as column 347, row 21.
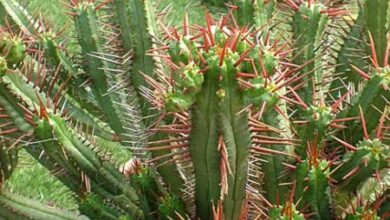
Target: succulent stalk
column 274, row 110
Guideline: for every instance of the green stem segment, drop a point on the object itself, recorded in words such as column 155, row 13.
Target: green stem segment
column 312, row 189
column 244, row 13
column 372, row 100
column 19, row 208
column 234, row 128
column 91, row 43
column 203, row 146
column 273, row 165
column 308, row 29
column 345, row 58
column 377, row 22
column 142, row 43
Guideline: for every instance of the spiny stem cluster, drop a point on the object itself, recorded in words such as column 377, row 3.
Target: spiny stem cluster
column 274, row 110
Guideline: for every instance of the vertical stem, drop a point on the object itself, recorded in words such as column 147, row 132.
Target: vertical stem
column 203, row 147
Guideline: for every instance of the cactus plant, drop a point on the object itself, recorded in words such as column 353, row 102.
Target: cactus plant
column 265, row 116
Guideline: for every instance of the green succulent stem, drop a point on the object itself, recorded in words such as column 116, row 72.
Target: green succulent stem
column 308, row 29
column 244, row 13
column 372, row 101
column 234, row 128
column 203, row 146
column 142, row 42
column 377, row 22
column 20, row 208
column 272, row 167
column 263, row 12
column 13, row 9
column 92, row 43
column 280, row 112
column 345, row 59
column 319, row 192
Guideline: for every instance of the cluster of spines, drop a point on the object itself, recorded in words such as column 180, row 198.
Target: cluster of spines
column 17, row 207
column 45, row 111
column 270, row 95
column 317, row 121
column 196, row 74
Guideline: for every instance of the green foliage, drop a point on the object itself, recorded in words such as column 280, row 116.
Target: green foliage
column 275, row 109
column 42, row 186
column 16, row 207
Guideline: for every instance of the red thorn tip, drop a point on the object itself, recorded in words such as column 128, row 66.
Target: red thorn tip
column 361, row 73
column 353, row 172
column 387, row 51
column 209, row 21
column 243, row 56
column 363, row 123
column 292, row 5
column 185, row 25
column 345, row 144
column 373, row 51
column 222, row 54
column 333, row 12
column 336, row 105
column 380, row 126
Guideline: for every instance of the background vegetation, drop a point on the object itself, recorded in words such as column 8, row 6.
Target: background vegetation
column 295, row 109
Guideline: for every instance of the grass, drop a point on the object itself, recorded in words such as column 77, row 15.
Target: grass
column 30, row 178
column 33, row 180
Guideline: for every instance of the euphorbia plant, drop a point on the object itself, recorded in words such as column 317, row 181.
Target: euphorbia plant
column 248, row 117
